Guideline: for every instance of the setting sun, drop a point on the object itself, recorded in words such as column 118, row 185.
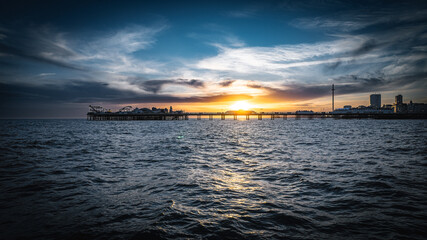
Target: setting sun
column 241, row 105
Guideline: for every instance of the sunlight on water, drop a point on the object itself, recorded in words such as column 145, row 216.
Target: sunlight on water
column 209, row 179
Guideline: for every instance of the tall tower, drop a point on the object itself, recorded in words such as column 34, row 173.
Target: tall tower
column 333, row 91
column 398, row 99
column 375, row 100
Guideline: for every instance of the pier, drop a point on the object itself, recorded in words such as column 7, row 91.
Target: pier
column 106, row 116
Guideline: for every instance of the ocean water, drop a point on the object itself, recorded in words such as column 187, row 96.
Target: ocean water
column 269, row 179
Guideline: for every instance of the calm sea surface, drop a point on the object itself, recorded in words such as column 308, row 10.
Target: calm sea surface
column 269, row 179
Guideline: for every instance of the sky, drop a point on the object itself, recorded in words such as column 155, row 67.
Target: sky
column 59, row 57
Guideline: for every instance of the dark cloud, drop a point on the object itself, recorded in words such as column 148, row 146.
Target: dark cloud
column 226, row 83
column 12, row 51
column 71, row 91
column 349, row 84
column 348, row 16
column 77, row 91
column 72, row 100
column 255, row 85
column 36, row 46
column 173, row 99
column 364, row 48
column 155, row 86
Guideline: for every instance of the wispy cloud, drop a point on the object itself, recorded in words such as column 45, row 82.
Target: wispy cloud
column 352, row 20
column 108, row 52
column 381, row 53
column 46, row 74
column 113, row 52
column 40, row 46
column 273, row 59
column 218, row 36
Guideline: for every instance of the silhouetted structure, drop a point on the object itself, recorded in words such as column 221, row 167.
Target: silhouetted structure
column 333, row 92
column 375, row 100
column 399, row 110
column 398, row 99
column 401, row 107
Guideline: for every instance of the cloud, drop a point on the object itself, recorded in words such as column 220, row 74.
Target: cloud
column 218, row 35
column 127, row 40
column 333, row 24
column 265, row 59
column 155, row 86
column 46, row 74
column 351, row 19
column 390, row 51
column 381, row 48
column 30, row 54
column 77, row 91
column 226, row 83
column 344, row 85
column 108, row 51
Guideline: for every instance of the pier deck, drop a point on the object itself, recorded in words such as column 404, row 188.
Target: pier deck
column 105, row 116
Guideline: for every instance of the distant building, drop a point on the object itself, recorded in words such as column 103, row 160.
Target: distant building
column 398, row 99
column 375, row 107
column 417, row 107
column 400, row 107
column 375, row 100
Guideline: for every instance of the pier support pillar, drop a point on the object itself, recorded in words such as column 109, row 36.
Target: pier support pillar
column 199, row 117
column 285, row 117
column 272, row 117
column 259, row 116
column 247, row 117
column 235, row 117
column 222, row 117
column 210, row 117
column 186, row 117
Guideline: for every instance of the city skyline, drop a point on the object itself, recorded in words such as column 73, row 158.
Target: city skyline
column 58, row 58
column 375, row 102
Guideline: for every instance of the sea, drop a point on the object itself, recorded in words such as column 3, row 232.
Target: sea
column 213, row 179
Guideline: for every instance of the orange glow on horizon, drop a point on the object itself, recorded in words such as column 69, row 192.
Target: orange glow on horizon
column 259, row 104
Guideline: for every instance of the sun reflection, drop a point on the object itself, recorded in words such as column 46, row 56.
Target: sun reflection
column 228, row 180
column 237, row 186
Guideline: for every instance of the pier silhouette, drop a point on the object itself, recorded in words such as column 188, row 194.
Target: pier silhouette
column 124, row 116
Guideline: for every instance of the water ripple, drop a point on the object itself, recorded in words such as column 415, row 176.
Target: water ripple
column 317, row 179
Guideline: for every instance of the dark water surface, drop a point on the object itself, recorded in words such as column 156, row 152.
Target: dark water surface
column 269, row 179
